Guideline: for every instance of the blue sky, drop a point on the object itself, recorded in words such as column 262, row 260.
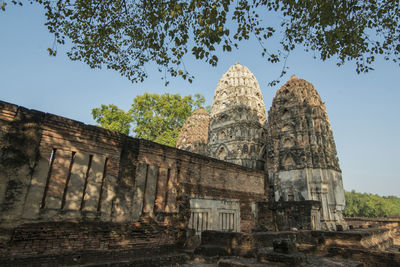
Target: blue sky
column 363, row 109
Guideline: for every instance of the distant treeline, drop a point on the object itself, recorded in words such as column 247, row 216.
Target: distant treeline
column 369, row 205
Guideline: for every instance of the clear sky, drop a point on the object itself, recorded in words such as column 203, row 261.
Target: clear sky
column 364, row 110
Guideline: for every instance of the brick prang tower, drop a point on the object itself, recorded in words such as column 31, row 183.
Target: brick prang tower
column 237, row 132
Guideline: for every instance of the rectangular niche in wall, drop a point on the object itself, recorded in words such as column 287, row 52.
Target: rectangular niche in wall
column 211, row 214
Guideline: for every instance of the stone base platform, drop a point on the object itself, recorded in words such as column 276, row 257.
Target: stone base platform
column 372, row 247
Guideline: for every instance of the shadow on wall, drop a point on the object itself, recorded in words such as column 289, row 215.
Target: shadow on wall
column 57, row 169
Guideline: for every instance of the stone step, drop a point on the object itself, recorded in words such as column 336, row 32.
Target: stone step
column 103, row 258
column 243, row 262
column 212, row 250
column 156, row 260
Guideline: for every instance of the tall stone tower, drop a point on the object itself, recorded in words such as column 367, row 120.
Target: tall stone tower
column 194, row 134
column 237, row 132
column 301, row 157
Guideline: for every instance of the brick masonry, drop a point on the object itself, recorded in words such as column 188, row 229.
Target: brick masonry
column 288, row 215
column 65, row 185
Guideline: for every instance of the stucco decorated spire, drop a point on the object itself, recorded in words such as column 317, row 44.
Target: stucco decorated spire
column 237, row 119
column 239, row 87
column 194, row 134
column 300, row 91
column 301, row 156
column 297, row 109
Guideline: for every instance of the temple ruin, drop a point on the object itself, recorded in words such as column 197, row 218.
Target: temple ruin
column 236, row 131
column 295, row 146
column 239, row 189
column 301, row 157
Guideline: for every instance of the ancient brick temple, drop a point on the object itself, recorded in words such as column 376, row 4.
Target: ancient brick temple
column 67, row 188
column 301, row 157
column 295, row 146
column 236, row 132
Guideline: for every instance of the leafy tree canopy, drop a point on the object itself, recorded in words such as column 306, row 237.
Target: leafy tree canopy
column 124, row 35
column 369, row 205
column 112, row 118
column 154, row 117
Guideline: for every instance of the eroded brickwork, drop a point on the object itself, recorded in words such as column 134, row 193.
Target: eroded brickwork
column 301, row 153
column 238, row 115
column 295, row 146
column 300, row 135
column 63, row 237
column 194, row 134
column 289, row 215
column 55, row 170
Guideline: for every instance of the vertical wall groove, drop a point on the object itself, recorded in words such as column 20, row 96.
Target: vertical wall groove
column 198, row 221
column 46, row 188
column 167, row 188
column 145, row 187
column 68, row 178
column 102, row 185
column 86, row 182
column 157, row 189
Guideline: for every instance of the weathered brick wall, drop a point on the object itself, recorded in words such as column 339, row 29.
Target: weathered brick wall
column 204, row 177
column 19, row 150
column 58, row 170
column 365, row 222
column 61, row 237
column 66, row 186
column 366, row 245
column 286, row 215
